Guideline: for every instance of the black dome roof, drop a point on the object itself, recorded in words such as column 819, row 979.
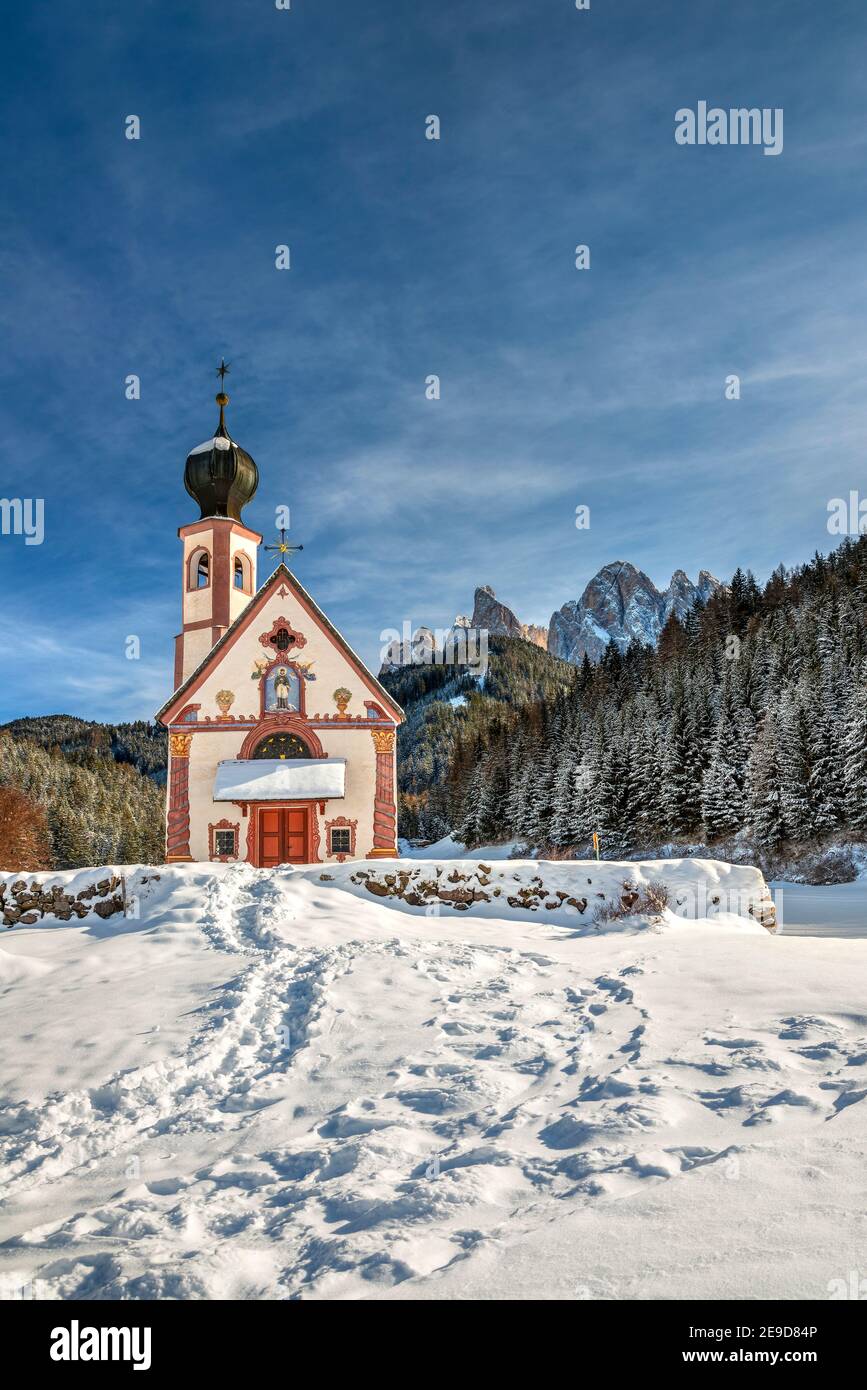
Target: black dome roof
column 219, row 474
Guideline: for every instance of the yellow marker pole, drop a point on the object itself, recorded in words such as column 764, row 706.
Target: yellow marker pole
column 596, row 843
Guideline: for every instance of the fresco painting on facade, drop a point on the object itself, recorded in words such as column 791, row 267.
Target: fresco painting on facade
column 282, row 690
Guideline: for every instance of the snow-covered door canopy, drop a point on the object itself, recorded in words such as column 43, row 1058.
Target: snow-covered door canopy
column 278, row 779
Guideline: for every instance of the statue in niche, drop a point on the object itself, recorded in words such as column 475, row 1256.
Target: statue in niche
column 283, row 690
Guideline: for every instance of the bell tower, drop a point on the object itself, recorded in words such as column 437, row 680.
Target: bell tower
column 218, row 577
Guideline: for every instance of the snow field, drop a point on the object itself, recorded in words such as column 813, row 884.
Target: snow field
column 348, row 1097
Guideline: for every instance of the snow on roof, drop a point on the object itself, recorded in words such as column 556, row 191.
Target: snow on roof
column 280, row 779
column 218, row 442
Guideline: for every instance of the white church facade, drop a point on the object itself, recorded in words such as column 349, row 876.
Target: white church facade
column 282, row 744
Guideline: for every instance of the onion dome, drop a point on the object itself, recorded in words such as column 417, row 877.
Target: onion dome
column 219, row 474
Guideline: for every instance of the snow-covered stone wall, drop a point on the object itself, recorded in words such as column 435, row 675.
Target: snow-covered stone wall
column 587, row 891
column 25, row 900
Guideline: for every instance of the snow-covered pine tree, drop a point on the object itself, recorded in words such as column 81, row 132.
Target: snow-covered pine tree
column 493, row 796
column 827, row 780
column 793, row 750
column 767, row 810
column 722, row 796
column 681, row 769
column 541, row 795
column 855, row 753
column 566, row 820
column 468, row 826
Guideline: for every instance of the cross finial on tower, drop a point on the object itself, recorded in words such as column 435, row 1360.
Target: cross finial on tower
column 221, row 398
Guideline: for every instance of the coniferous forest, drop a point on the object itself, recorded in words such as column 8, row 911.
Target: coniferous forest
column 73, row 792
column 746, row 729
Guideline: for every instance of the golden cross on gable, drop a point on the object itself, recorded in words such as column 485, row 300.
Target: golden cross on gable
column 283, row 548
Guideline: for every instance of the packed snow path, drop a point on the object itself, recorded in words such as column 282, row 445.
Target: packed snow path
column 372, row 1103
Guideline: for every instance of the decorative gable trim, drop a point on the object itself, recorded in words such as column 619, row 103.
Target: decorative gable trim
column 181, row 696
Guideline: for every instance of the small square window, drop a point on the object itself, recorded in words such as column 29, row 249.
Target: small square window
column 341, row 842
column 224, row 842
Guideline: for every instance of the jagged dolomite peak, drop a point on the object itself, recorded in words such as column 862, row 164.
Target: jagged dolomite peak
column 499, row 621
column 621, row 604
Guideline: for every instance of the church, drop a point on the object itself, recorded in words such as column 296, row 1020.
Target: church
column 281, row 742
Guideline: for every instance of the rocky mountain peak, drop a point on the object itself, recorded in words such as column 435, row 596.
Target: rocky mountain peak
column 499, row 621
column 621, row 604
column 416, row 651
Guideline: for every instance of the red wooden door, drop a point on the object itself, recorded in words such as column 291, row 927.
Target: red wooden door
column 269, row 838
column 295, row 833
column 282, row 836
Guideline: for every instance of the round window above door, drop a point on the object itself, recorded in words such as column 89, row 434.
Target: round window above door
column 281, row 746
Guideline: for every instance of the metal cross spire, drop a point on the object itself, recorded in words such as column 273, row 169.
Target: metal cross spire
column 221, row 398
column 284, row 548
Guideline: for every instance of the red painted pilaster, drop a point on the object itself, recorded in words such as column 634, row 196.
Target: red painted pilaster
column 384, row 808
column 178, row 815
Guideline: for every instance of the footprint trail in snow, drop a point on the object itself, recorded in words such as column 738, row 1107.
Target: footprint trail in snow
column 363, row 1108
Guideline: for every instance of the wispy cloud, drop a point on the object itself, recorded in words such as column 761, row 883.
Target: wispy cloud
column 412, row 257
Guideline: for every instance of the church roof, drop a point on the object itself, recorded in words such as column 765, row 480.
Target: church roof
column 243, row 620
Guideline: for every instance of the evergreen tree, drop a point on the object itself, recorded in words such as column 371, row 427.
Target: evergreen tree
column 794, row 766
column 681, row 793
column 826, row 782
column 855, row 754
column 468, row 825
column 722, row 797
column 767, row 810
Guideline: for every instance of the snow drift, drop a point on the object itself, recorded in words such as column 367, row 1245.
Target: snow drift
column 279, row 1084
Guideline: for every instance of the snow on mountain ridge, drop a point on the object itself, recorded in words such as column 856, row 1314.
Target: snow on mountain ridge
column 621, row 604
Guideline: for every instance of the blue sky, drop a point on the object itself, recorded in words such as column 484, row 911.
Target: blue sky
column 262, row 127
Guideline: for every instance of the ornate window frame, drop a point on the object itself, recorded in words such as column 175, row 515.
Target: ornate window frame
column 235, row 827
column 296, row 638
column 290, row 723
column 341, row 823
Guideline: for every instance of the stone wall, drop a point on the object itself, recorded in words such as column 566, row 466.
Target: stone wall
column 459, row 889
column 23, row 903
column 594, row 893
